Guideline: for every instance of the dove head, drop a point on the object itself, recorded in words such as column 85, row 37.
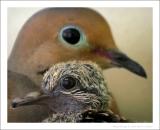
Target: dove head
column 73, row 86
column 56, row 35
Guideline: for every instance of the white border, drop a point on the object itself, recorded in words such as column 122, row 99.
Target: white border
column 6, row 4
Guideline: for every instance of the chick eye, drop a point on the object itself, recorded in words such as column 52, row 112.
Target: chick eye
column 72, row 35
column 68, row 82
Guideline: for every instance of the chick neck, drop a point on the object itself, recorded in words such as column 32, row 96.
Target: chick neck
column 64, row 117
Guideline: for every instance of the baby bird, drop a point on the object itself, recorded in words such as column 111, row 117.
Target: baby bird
column 70, row 90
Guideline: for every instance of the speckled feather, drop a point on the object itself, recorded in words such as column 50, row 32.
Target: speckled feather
column 91, row 90
column 83, row 98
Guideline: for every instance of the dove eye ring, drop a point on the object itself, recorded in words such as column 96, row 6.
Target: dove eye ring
column 72, row 36
column 68, row 82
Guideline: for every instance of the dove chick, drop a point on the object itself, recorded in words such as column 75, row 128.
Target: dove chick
column 69, row 89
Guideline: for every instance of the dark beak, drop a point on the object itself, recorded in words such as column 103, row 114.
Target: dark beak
column 29, row 100
column 121, row 60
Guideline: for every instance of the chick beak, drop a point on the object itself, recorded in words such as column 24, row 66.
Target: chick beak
column 121, row 60
column 29, row 100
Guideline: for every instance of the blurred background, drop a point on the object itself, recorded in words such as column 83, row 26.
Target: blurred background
column 132, row 31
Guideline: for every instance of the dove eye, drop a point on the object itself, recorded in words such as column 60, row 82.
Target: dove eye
column 73, row 36
column 68, row 82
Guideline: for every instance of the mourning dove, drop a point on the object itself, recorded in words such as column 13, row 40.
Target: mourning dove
column 55, row 35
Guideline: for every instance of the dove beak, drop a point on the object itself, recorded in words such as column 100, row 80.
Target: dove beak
column 119, row 59
column 29, row 100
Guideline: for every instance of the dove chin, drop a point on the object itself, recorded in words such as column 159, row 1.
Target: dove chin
column 119, row 59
